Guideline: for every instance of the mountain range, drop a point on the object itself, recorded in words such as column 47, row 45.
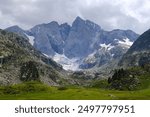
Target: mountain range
column 25, row 71
column 82, row 45
column 42, row 52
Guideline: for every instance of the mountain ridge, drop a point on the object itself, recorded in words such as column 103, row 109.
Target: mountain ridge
column 138, row 54
column 59, row 41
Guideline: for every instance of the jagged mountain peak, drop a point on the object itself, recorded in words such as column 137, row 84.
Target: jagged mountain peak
column 78, row 41
column 53, row 23
column 78, row 18
column 79, row 22
column 45, row 25
column 65, row 25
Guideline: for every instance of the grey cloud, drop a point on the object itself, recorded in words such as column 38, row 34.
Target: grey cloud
column 123, row 14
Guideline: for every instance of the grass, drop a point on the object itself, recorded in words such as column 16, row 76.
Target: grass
column 38, row 91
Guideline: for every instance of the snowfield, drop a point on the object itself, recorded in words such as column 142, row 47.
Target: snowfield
column 68, row 64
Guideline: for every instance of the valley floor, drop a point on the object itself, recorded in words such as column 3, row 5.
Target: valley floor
column 72, row 93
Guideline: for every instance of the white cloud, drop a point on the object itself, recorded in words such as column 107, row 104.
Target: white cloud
column 110, row 14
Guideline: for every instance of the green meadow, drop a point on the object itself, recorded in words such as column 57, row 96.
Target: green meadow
column 39, row 91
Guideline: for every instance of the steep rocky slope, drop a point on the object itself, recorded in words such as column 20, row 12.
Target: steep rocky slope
column 19, row 62
column 139, row 53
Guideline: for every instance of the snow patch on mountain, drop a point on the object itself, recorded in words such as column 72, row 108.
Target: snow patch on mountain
column 68, row 64
column 107, row 47
column 31, row 39
column 91, row 57
column 126, row 42
column 46, row 55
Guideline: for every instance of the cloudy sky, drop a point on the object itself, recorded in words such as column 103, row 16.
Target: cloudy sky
column 109, row 14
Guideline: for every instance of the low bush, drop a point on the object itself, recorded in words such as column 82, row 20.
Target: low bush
column 33, row 87
column 62, row 88
column 24, row 88
column 99, row 84
column 10, row 90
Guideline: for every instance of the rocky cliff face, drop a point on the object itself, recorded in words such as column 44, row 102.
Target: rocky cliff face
column 82, row 38
column 83, row 45
column 47, row 38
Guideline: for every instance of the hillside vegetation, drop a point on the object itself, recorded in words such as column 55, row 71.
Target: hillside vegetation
column 133, row 83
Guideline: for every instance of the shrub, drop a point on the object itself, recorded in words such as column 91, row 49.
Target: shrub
column 62, row 88
column 33, row 87
column 99, row 84
column 123, row 80
column 10, row 90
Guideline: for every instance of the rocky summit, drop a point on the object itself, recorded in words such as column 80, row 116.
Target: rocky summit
column 83, row 45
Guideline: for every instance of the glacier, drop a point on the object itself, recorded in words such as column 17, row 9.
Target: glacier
column 67, row 64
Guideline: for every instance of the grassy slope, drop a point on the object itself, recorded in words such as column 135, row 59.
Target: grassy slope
column 73, row 93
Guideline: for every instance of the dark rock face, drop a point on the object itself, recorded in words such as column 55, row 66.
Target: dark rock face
column 48, row 38
column 64, row 31
column 81, row 39
column 139, row 53
column 142, row 43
